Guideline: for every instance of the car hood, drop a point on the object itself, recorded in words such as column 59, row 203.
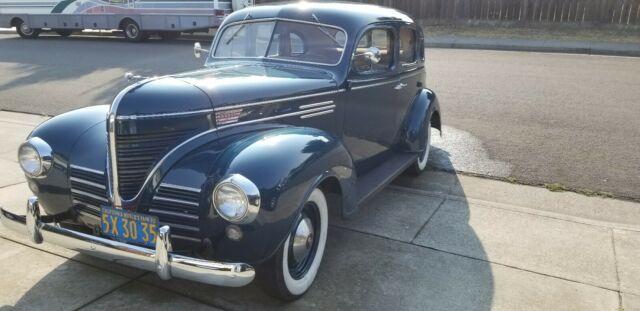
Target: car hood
column 221, row 85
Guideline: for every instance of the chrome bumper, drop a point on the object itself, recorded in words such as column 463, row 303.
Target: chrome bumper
column 161, row 260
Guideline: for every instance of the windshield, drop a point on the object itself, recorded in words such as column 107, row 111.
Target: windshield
column 285, row 40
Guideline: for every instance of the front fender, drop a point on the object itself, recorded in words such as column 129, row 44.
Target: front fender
column 425, row 105
column 284, row 163
column 62, row 133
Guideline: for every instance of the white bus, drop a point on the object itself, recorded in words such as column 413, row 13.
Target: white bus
column 138, row 19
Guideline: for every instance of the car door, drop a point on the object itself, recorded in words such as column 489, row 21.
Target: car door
column 370, row 126
column 412, row 75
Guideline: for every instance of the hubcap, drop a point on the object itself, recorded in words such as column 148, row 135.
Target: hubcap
column 26, row 29
column 304, row 242
column 132, row 31
column 303, row 239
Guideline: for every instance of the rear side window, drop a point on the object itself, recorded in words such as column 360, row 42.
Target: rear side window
column 377, row 43
column 408, row 46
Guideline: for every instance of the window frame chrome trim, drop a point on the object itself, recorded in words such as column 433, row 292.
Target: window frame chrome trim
column 214, row 46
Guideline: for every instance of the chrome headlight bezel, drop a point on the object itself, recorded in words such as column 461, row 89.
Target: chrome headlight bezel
column 248, row 190
column 44, row 153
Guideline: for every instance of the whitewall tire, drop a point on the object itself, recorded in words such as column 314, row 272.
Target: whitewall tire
column 292, row 270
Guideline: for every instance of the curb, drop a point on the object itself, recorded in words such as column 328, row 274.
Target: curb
column 532, row 48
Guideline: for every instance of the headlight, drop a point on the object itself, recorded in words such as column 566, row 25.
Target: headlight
column 236, row 199
column 35, row 157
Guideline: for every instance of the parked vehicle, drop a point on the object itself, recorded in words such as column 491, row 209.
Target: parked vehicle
column 214, row 174
column 138, row 19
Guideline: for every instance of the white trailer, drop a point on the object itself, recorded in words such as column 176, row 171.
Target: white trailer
column 137, row 19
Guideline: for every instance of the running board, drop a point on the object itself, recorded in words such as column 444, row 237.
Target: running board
column 374, row 181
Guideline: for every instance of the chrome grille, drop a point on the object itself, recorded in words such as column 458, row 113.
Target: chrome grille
column 88, row 188
column 138, row 153
column 177, row 206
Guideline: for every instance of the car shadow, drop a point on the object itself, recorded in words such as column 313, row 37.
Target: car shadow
column 390, row 257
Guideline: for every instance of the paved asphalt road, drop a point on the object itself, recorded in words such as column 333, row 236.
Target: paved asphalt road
column 542, row 118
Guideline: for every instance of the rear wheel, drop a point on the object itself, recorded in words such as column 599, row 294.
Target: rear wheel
column 25, row 31
column 169, row 35
column 132, row 32
column 64, row 32
column 292, row 270
column 421, row 163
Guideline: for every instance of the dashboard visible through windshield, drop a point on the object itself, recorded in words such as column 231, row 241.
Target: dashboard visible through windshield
column 283, row 40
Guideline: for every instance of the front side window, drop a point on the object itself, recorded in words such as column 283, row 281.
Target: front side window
column 408, row 50
column 374, row 52
column 284, row 40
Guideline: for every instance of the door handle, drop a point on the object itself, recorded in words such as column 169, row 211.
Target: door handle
column 400, row 86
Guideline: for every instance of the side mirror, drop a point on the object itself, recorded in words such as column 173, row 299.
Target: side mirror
column 198, row 50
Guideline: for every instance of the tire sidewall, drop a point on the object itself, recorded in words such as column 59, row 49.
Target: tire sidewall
column 299, row 287
column 33, row 34
column 127, row 32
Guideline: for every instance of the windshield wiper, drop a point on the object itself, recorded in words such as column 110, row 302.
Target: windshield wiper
column 325, row 31
column 233, row 36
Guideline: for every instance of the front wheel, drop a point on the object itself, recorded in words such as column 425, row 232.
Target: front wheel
column 292, row 270
column 133, row 33
column 421, row 163
column 27, row 32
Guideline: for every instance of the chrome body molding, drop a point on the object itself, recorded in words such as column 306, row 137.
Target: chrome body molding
column 112, row 163
column 161, row 198
column 278, row 100
column 89, row 195
column 164, row 115
column 316, row 105
column 360, row 87
column 88, row 183
column 170, row 213
column 86, row 169
column 165, row 185
column 317, row 114
column 161, row 259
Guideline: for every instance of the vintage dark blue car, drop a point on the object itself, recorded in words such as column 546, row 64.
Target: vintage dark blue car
column 214, row 174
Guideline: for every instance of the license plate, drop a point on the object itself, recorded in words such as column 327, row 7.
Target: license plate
column 129, row 227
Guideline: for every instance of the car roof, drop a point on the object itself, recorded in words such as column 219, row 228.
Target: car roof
column 350, row 16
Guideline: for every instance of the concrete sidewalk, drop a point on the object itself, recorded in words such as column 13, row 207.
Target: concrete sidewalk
column 439, row 242
column 533, row 45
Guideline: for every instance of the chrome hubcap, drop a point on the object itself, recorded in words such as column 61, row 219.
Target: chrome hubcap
column 303, row 239
column 132, row 31
column 26, row 29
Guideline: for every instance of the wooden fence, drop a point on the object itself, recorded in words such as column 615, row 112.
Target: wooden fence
column 613, row 12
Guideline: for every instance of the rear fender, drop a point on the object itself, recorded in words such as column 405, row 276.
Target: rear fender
column 425, row 105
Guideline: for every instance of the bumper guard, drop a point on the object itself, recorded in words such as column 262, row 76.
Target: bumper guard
column 160, row 260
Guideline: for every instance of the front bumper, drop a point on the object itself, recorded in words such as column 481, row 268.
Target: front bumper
column 161, row 260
